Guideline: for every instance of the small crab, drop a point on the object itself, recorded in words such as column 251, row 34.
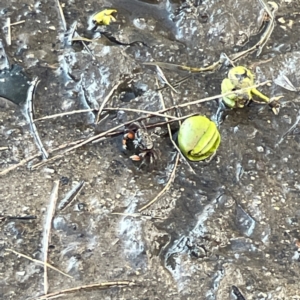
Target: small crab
column 142, row 141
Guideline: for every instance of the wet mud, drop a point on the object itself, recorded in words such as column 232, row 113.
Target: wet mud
column 230, row 230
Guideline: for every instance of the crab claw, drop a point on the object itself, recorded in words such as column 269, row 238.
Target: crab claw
column 275, row 105
column 135, row 157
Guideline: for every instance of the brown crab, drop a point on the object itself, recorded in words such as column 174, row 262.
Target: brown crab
column 142, row 141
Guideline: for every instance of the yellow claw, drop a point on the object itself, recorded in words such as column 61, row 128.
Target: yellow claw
column 104, row 17
column 207, row 140
column 198, row 138
column 240, row 78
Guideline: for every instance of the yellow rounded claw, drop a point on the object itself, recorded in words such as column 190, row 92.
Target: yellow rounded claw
column 198, row 138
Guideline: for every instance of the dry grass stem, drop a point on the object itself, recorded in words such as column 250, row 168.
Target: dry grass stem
column 105, row 109
column 26, row 160
column 80, row 39
column 162, row 75
column 103, row 285
column 3, row 148
column 170, row 132
column 215, row 97
column 265, row 36
column 165, row 189
column 39, row 262
column 71, row 196
column 17, row 23
column 47, row 230
column 84, row 142
column 29, row 110
column 62, row 15
column 64, row 114
column 149, row 113
column 136, row 215
column 8, row 32
column 106, row 100
column 21, row 163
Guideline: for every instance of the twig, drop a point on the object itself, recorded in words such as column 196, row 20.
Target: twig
column 95, row 137
column 215, row 97
column 265, row 36
column 104, row 109
column 38, row 262
column 49, row 217
column 17, row 23
column 175, row 67
column 175, row 119
column 170, row 133
column 65, row 114
column 28, row 159
column 135, row 215
column 162, row 75
column 29, row 108
column 21, row 163
column 90, row 286
column 27, row 217
column 71, row 196
column 80, row 39
column 289, row 130
column 8, row 32
column 149, row 113
column 62, row 15
column 106, row 100
column 3, row 148
column 70, row 34
column 167, row 186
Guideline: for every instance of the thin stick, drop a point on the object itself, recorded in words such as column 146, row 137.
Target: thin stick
column 49, row 217
column 170, row 133
column 289, row 131
column 28, row 159
column 95, row 137
column 62, row 15
column 21, row 163
column 135, row 215
column 104, row 109
column 154, row 113
column 71, row 196
column 65, row 114
column 8, row 32
column 38, row 262
column 29, row 108
column 17, row 23
column 167, row 186
column 3, row 148
column 80, row 39
column 90, row 286
column 162, row 75
column 147, row 126
column 106, row 100
column 215, row 97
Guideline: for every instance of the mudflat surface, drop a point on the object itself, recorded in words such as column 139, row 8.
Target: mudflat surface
column 229, row 231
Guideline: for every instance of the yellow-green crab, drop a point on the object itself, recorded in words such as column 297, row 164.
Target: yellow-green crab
column 239, row 78
column 198, row 138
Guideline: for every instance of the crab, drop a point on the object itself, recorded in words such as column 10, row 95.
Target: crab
column 142, row 141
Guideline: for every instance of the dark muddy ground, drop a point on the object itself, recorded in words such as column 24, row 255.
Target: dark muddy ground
column 229, row 232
